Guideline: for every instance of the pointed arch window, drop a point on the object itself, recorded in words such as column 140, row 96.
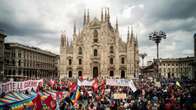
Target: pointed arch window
column 122, row 60
column 95, row 52
column 80, row 50
column 70, row 62
column 70, row 74
column 111, row 61
column 95, row 36
column 79, row 61
column 111, row 49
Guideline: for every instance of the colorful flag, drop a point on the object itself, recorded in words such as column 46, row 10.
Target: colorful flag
column 48, row 101
column 76, row 95
column 37, row 102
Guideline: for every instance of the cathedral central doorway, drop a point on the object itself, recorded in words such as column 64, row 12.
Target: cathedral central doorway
column 95, row 72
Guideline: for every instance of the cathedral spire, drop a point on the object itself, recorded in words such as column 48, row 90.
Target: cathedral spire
column 84, row 22
column 131, row 30
column 88, row 17
column 102, row 15
column 74, row 29
column 105, row 14
column 128, row 35
column 132, row 39
column 116, row 24
column 67, row 42
column 63, row 39
column 108, row 14
column 136, row 41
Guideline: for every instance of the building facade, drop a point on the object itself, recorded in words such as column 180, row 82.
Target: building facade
column 2, row 37
column 98, row 51
column 24, row 62
column 176, row 67
column 194, row 63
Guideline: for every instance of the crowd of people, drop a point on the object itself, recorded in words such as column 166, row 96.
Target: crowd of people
column 150, row 95
column 170, row 95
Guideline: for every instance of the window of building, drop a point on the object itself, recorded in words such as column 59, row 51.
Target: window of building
column 95, row 52
column 8, row 62
column 10, row 72
column 111, row 73
column 14, row 72
column 19, row 72
column 19, row 55
column 111, row 61
column 80, row 61
column 172, row 70
column 70, row 62
column 19, row 63
column 169, row 70
column 95, row 34
column 13, row 62
column 111, row 49
column 80, row 51
column 70, row 74
column 122, row 60
column 79, row 73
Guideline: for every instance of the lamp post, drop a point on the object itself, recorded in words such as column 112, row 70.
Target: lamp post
column 157, row 37
column 143, row 55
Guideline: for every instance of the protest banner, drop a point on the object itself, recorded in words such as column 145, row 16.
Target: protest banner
column 117, row 82
column 19, row 86
column 119, row 96
column 132, row 86
column 84, row 83
column 121, row 82
column 158, row 84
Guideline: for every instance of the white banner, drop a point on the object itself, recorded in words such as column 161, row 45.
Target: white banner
column 132, row 86
column 121, row 82
column 117, row 82
column 85, row 83
column 19, row 86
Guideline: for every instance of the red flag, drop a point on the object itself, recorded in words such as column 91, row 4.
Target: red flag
column 37, row 102
column 48, row 101
column 53, row 104
column 59, row 94
column 102, row 87
column 95, row 85
column 73, row 87
column 52, row 83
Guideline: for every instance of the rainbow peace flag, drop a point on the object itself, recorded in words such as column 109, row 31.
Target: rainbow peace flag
column 76, row 95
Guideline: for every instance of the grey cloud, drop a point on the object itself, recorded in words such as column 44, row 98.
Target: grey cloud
column 12, row 24
column 171, row 16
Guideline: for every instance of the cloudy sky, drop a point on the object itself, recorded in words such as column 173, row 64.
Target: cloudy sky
column 39, row 23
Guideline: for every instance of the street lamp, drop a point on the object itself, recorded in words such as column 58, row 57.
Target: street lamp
column 156, row 37
column 143, row 55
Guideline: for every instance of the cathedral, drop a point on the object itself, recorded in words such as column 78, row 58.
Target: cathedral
column 98, row 50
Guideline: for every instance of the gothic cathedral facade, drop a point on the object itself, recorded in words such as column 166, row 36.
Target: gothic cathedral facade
column 98, row 51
